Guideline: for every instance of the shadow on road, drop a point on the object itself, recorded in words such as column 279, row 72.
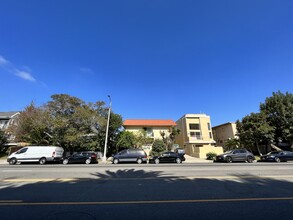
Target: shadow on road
column 109, row 193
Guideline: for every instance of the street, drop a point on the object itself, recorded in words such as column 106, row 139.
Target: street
column 147, row 191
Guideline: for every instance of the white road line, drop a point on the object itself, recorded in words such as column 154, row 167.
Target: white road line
column 10, row 171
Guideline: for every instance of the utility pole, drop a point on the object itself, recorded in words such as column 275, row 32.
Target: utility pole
column 107, row 130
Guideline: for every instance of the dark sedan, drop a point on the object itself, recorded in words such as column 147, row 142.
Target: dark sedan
column 168, row 157
column 277, row 156
column 81, row 157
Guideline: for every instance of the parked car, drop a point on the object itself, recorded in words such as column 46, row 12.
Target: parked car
column 41, row 154
column 81, row 157
column 168, row 157
column 179, row 151
column 235, row 155
column 277, row 156
column 130, row 155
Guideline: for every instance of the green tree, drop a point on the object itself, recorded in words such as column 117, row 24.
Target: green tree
column 231, row 143
column 32, row 126
column 125, row 139
column 158, row 147
column 68, row 122
column 142, row 139
column 254, row 131
column 174, row 133
column 170, row 139
column 3, row 141
column 279, row 111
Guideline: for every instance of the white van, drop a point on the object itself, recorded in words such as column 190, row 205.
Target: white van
column 40, row 154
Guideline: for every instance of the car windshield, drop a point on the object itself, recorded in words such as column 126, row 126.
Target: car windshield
column 228, row 152
column 274, row 152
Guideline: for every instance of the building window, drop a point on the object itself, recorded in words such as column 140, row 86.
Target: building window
column 211, row 135
column 196, row 135
column 194, row 127
column 149, row 132
column 209, row 126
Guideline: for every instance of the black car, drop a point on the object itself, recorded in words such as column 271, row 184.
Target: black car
column 168, row 157
column 130, row 155
column 277, row 156
column 235, row 155
column 81, row 157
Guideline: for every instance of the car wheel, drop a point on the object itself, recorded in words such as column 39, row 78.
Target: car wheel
column 88, row 161
column 277, row 159
column 249, row 159
column 157, row 161
column 42, row 161
column 229, row 159
column 178, row 160
column 139, row 161
column 12, row 161
column 65, row 161
column 115, row 161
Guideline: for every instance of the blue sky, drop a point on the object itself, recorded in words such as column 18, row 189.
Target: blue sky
column 157, row 59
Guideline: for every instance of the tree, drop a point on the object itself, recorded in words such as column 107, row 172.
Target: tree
column 142, row 139
column 3, row 141
column 279, row 111
column 69, row 122
column 158, row 147
column 32, row 126
column 174, row 133
column 125, row 139
column 232, row 143
column 254, row 130
column 169, row 140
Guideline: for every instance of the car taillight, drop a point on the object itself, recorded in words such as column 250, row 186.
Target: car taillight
column 94, row 156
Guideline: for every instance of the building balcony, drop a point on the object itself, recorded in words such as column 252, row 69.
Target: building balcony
column 199, row 140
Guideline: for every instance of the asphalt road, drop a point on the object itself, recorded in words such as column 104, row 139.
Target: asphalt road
column 146, row 191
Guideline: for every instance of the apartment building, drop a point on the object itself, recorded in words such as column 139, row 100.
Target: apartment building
column 8, row 119
column 224, row 132
column 196, row 135
column 152, row 128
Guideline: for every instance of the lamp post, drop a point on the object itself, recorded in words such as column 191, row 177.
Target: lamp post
column 107, row 130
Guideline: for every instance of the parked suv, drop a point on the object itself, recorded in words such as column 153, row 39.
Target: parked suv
column 236, row 155
column 130, row 155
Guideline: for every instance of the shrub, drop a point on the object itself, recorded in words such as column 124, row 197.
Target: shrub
column 211, row 155
column 158, row 148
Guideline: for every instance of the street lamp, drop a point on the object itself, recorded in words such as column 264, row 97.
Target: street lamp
column 107, row 129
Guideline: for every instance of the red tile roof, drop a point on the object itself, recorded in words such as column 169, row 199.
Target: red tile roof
column 148, row 122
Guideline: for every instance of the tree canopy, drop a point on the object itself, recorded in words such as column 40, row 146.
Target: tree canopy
column 273, row 124
column 69, row 122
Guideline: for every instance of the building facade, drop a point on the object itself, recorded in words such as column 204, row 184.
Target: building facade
column 196, row 135
column 153, row 129
column 224, row 132
column 7, row 120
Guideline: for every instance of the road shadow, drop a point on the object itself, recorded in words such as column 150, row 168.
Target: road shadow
column 129, row 193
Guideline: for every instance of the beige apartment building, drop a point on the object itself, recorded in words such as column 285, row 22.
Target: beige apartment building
column 196, row 135
column 152, row 128
column 224, row 132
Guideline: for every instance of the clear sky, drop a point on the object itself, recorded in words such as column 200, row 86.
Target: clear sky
column 158, row 59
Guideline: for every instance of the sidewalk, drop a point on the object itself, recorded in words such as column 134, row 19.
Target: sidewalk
column 190, row 159
column 3, row 161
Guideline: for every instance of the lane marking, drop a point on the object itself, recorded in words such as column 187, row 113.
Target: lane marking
column 10, row 201
column 38, row 180
column 8, row 171
column 144, row 202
